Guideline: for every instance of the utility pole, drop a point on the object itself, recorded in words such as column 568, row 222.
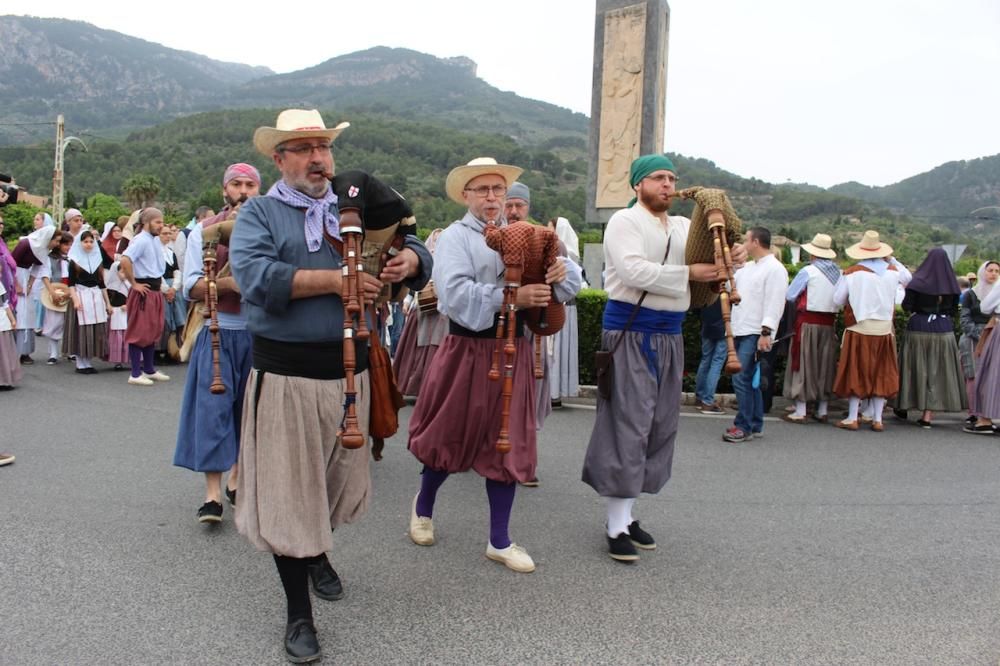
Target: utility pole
column 57, row 174
column 58, row 191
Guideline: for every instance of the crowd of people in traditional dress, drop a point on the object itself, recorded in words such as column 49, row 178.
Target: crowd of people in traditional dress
column 289, row 382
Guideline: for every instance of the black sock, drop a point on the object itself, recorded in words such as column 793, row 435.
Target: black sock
column 295, row 580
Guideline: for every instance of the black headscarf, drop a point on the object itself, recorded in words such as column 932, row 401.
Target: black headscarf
column 935, row 276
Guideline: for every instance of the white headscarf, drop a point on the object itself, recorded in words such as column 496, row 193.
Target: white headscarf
column 113, row 280
column 88, row 261
column 108, row 226
column 983, row 288
column 569, row 238
column 38, row 241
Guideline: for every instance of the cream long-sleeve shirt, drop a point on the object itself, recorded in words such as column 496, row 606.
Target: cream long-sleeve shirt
column 634, row 243
column 762, row 285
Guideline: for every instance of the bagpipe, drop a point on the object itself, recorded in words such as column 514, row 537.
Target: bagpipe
column 211, row 237
column 715, row 227
column 374, row 222
column 527, row 252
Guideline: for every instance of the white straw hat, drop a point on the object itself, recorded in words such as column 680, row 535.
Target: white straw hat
column 294, row 124
column 460, row 176
column 869, row 248
column 820, row 246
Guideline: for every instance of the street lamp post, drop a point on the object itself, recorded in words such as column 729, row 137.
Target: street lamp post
column 58, row 192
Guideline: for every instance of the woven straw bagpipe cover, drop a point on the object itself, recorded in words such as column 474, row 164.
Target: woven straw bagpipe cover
column 700, row 247
column 527, row 250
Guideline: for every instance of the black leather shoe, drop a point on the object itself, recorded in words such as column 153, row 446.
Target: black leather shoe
column 231, row 496
column 325, row 581
column 301, row 644
column 622, row 549
column 640, row 537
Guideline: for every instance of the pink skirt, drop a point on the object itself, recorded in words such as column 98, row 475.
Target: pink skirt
column 10, row 364
column 117, row 347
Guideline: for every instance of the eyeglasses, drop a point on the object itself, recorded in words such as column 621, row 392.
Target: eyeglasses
column 306, row 149
column 483, row 191
column 668, row 177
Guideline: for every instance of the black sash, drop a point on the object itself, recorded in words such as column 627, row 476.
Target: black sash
column 312, row 360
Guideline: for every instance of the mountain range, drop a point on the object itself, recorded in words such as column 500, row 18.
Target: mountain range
column 143, row 107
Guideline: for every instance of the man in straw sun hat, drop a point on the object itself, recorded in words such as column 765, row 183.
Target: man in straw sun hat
column 455, row 424
column 812, row 363
column 295, row 481
column 868, row 367
column 632, row 445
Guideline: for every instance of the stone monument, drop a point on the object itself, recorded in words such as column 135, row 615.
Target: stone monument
column 629, row 98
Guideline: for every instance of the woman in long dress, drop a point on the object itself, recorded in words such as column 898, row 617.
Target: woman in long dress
column 563, row 347
column 88, row 338
column 973, row 322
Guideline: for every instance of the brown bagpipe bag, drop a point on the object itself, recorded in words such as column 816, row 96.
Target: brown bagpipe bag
column 700, row 248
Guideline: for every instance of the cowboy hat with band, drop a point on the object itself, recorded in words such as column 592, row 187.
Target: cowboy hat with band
column 821, row 246
column 294, row 124
column 869, row 248
column 459, row 177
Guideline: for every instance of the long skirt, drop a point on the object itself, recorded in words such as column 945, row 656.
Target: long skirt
column 86, row 331
column 456, row 422
column 930, row 373
column 967, row 351
column 422, row 335
column 631, row 448
column 987, row 386
column 208, row 437
column 564, row 361
column 145, row 318
column 10, row 364
column 174, row 316
column 296, row 483
column 53, row 324
column 813, row 380
column 117, row 347
column 24, row 338
column 867, row 366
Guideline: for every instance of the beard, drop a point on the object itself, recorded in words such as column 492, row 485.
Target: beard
column 233, row 203
column 653, row 202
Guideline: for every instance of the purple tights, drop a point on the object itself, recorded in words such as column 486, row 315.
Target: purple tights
column 141, row 359
column 501, row 497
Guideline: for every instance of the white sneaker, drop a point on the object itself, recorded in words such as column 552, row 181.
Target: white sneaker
column 157, row 376
column 421, row 528
column 141, row 380
column 513, row 556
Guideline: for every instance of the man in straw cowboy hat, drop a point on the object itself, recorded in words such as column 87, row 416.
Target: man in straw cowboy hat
column 868, row 367
column 455, row 424
column 632, row 445
column 208, row 436
column 295, row 481
column 812, row 362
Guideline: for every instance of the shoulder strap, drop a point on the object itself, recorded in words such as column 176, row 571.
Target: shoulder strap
column 635, row 310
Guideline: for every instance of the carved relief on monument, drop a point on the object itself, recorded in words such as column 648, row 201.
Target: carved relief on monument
column 621, row 106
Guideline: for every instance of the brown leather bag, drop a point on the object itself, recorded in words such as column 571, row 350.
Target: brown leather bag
column 386, row 399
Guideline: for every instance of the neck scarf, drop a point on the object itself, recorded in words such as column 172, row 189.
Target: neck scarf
column 830, row 270
column 877, row 266
column 935, row 276
column 321, row 214
column 38, row 241
column 88, row 261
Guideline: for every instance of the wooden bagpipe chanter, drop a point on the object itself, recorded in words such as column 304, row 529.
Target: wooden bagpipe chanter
column 715, row 227
column 527, row 252
column 374, row 222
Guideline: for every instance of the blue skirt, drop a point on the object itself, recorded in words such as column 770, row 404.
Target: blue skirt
column 208, row 436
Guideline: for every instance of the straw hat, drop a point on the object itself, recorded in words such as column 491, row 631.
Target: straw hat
column 820, row 246
column 63, row 298
column 869, row 248
column 460, row 176
column 294, row 124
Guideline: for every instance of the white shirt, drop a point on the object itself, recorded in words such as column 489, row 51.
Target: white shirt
column 761, row 284
column 635, row 241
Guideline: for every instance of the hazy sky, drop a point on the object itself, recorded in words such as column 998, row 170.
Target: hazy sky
column 868, row 90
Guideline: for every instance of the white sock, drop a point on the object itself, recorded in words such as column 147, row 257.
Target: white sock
column 618, row 515
column 866, row 408
column 54, row 348
column 81, row 363
column 631, row 505
column 852, row 408
column 821, row 408
column 878, row 404
column 800, row 408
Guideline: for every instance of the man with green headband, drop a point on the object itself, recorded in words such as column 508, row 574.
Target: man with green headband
column 632, row 445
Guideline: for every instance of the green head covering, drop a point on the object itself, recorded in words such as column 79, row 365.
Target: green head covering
column 644, row 165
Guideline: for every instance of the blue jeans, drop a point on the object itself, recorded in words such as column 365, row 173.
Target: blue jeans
column 750, row 402
column 713, row 357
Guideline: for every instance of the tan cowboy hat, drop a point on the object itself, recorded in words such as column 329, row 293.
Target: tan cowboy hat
column 294, row 124
column 820, row 246
column 460, row 176
column 60, row 305
column 869, row 248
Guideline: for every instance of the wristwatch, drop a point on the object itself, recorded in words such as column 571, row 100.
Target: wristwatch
column 765, row 331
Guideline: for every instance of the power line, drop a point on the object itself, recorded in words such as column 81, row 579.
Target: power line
column 23, row 124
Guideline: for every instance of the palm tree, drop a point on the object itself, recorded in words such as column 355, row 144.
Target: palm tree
column 141, row 190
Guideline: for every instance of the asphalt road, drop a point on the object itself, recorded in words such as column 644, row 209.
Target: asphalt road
column 809, row 546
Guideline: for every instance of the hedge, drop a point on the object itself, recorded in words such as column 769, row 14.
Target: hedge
column 590, row 310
